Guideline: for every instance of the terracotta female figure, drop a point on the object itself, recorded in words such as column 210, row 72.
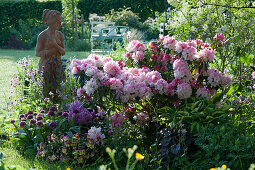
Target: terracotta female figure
column 50, row 48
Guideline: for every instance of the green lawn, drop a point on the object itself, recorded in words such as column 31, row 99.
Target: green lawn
column 8, row 60
column 8, row 69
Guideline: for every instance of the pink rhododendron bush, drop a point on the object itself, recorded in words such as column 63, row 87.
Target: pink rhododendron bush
column 166, row 72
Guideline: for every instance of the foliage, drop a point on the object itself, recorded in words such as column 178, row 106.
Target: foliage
column 125, row 17
column 12, row 12
column 234, row 19
column 78, row 45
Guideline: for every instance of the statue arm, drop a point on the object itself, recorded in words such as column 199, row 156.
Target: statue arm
column 40, row 51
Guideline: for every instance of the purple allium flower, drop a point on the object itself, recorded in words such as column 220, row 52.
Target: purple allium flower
column 21, row 116
column 39, row 114
column 60, row 113
column 35, row 114
column 30, row 117
column 42, row 111
column 22, row 124
column 53, row 108
column 51, row 113
column 38, row 118
column 30, row 112
column 39, row 123
column 53, row 125
column 81, row 114
column 32, row 121
column 12, row 121
column 65, row 114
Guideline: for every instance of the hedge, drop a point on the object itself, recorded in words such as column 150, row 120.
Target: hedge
column 12, row 12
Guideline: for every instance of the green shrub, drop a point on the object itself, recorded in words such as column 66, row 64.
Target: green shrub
column 78, row 45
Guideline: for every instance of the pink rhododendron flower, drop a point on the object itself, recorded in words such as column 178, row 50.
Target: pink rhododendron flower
column 180, row 46
column 112, row 68
column 180, row 63
column 115, row 84
column 121, row 63
column 170, row 90
column 183, row 73
column 164, row 68
column 253, row 75
column 204, row 92
column 192, row 43
column 169, row 42
column 117, row 120
column 95, row 135
column 220, row 37
column 176, row 82
column 207, row 54
column 214, row 78
column 91, row 86
column 153, row 46
column 138, row 56
column 135, row 46
column 76, row 70
column 189, row 53
column 80, row 91
column 184, row 91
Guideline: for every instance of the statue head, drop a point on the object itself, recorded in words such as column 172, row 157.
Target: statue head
column 52, row 18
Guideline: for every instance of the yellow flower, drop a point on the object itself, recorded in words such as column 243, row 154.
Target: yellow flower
column 212, row 168
column 108, row 149
column 224, row 166
column 68, row 168
column 139, row 156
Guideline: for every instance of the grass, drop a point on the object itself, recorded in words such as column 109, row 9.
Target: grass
column 8, row 69
column 8, row 60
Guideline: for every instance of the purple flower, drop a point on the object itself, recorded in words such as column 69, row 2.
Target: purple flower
column 21, row 116
column 42, row 111
column 30, row 117
column 38, row 118
column 35, row 114
column 23, row 120
column 65, row 114
column 30, row 112
column 32, row 121
column 22, row 124
column 51, row 113
column 80, row 114
column 60, row 113
column 12, row 121
column 53, row 125
column 53, row 108
column 39, row 123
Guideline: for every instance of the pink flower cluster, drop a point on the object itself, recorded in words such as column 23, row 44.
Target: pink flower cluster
column 220, row 37
column 130, row 84
column 215, row 78
column 137, row 48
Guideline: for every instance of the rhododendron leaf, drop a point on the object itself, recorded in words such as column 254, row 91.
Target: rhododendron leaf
column 216, row 98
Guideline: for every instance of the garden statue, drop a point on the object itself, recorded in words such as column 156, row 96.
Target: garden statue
column 50, row 48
